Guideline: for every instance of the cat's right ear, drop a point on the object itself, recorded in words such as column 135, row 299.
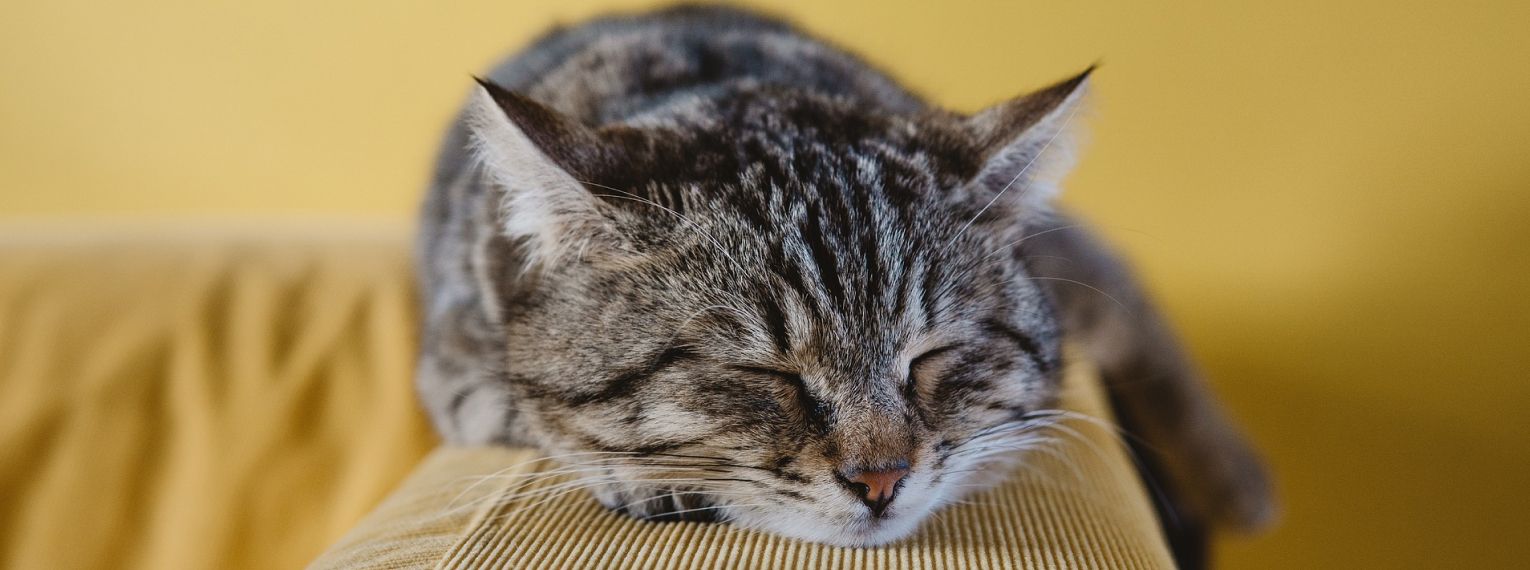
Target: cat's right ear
column 1029, row 143
column 537, row 158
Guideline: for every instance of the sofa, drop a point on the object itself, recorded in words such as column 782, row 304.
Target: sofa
column 239, row 395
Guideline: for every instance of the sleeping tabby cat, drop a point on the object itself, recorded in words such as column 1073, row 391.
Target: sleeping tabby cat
column 727, row 271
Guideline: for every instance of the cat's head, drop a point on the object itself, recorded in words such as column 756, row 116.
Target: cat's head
column 775, row 308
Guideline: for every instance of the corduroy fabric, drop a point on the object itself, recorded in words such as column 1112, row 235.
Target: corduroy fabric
column 1078, row 507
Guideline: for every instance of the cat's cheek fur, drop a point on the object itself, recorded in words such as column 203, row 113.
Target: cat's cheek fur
column 670, row 421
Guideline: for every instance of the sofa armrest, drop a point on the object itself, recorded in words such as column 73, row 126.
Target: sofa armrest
column 1080, row 507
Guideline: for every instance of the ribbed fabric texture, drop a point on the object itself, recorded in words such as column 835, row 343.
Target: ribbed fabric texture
column 1078, row 507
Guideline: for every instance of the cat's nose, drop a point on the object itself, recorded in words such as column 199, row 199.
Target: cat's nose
column 875, row 487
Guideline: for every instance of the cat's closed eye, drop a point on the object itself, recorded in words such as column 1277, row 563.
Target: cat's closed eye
column 923, row 369
column 817, row 413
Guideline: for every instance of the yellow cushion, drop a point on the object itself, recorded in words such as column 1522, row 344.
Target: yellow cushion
column 200, row 397
column 238, row 396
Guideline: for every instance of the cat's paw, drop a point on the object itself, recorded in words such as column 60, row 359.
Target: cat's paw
column 665, row 506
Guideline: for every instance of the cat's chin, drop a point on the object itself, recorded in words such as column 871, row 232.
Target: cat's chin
column 811, row 527
column 857, row 530
column 853, row 527
column 825, row 520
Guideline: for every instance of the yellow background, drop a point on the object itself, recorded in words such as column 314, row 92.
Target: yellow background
column 1330, row 197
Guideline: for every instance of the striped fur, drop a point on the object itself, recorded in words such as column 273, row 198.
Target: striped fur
column 727, row 262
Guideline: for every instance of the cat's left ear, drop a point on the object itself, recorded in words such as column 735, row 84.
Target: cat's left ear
column 1029, row 143
column 538, row 159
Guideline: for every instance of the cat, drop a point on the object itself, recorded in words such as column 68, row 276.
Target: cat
column 731, row 272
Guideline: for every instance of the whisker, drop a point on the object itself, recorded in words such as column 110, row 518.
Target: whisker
column 711, row 507
column 676, row 492
column 1037, row 234
column 1118, row 302
column 557, row 490
column 571, row 467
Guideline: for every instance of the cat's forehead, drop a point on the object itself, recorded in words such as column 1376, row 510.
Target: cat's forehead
column 851, row 282
column 772, row 136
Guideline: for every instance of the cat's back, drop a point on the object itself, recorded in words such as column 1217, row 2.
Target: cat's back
column 612, row 68
column 609, row 69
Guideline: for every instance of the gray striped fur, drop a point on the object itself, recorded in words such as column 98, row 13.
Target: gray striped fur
column 701, row 237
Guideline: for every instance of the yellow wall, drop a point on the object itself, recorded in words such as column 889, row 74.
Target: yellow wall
column 1331, row 197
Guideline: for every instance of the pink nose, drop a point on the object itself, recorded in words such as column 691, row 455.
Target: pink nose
column 876, row 487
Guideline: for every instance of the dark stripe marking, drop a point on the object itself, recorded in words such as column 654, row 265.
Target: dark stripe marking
column 1027, row 345
column 828, row 270
column 819, row 414
column 627, row 383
